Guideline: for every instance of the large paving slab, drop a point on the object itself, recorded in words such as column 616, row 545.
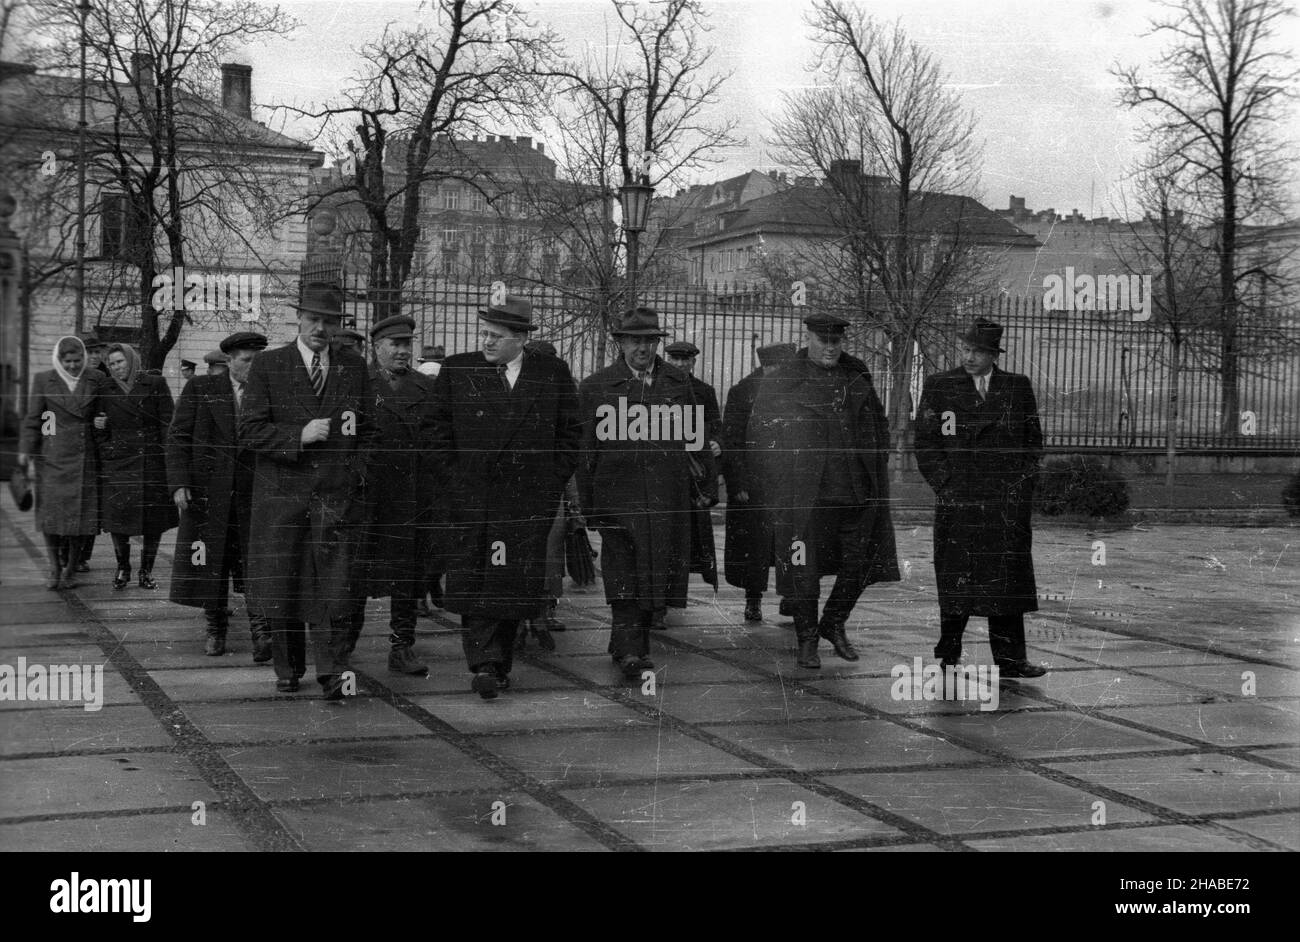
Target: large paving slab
column 1246, row 723
column 843, row 744
column 63, row 784
column 175, row 831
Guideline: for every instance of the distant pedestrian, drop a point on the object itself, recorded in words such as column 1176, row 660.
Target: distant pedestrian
column 57, row 447
column 978, row 444
column 187, row 370
column 704, row 492
column 135, row 413
column 821, row 443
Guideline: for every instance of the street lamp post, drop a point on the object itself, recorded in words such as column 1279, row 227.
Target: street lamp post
column 635, row 200
column 83, row 8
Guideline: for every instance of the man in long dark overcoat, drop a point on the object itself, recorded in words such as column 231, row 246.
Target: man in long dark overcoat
column 749, row 553
column 506, row 435
column 704, row 558
column 821, row 442
column 401, row 477
column 307, row 416
column 211, row 479
column 636, row 489
column 978, row 444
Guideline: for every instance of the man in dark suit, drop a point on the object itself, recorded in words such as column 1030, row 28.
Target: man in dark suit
column 401, row 479
column 636, row 487
column 506, row 434
column 821, row 443
column 211, row 480
column 307, row 415
column 978, row 444
column 749, row 553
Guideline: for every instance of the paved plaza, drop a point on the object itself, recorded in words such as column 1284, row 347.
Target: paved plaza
column 1170, row 721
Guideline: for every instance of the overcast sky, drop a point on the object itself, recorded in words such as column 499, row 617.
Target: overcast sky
column 1034, row 72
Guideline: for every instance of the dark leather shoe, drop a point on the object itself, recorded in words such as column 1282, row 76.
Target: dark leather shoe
column 283, row 685
column 1020, row 669
column 631, row 665
column 332, row 687
column 554, row 624
column 147, row 580
column 403, row 660
column 262, row 650
column 543, row 636
column 83, row 566
column 808, row 656
column 121, row 579
column 786, row 608
column 485, row 684
column 839, row 641
column 753, row 610
column 215, row 646
column 503, row 680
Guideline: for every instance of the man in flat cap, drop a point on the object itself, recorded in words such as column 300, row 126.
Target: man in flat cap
column 217, row 362
column 506, row 435
column 211, row 480
column 307, row 414
column 749, row 553
column 187, row 370
column 821, row 441
column 683, row 354
column 635, row 482
column 402, row 479
column 978, row 444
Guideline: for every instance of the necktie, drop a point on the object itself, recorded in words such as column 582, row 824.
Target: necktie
column 505, row 381
column 317, row 375
column 981, row 383
column 239, row 397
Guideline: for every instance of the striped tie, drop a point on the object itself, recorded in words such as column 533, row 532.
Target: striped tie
column 317, row 375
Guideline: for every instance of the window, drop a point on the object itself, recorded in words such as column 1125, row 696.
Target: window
column 448, row 265
column 477, row 262
column 120, row 230
column 450, row 239
column 450, row 197
column 477, row 202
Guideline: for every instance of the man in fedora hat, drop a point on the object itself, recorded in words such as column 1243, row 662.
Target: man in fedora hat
column 636, row 489
column 749, row 553
column 506, row 435
column 211, row 481
column 308, row 416
column 821, row 444
column 401, row 477
column 978, row 444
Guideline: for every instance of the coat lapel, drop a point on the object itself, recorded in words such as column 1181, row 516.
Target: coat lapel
column 300, row 380
column 222, row 398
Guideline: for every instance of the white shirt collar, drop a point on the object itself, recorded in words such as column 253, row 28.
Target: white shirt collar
column 307, row 353
column 513, row 369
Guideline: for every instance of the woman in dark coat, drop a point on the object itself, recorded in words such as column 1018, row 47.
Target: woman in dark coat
column 133, row 429
column 57, row 439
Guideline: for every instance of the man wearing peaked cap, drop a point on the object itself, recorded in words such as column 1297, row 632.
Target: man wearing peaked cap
column 638, row 492
column 308, row 415
column 211, row 481
column 187, row 369
column 978, row 444
column 351, row 339
column 401, row 476
column 683, row 355
column 749, row 553
column 506, row 434
column 820, row 442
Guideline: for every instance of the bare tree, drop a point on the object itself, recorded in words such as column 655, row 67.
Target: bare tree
column 189, row 178
column 636, row 111
column 478, row 63
column 896, row 149
column 1222, row 92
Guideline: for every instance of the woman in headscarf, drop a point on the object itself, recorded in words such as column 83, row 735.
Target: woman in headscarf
column 57, row 440
column 137, row 409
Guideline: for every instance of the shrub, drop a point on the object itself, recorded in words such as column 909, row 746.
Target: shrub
column 1080, row 485
column 1291, row 495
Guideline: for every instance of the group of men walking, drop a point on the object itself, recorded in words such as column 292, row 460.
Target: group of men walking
column 314, row 481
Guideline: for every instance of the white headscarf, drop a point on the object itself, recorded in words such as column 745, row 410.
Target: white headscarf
column 69, row 380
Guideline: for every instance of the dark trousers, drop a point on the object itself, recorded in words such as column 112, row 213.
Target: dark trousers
column 87, row 547
column 828, row 525
column 401, row 620
column 631, row 631
column 289, row 648
column 489, row 642
column 1006, row 637
column 232, row 567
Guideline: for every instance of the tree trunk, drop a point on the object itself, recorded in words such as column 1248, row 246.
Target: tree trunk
column 1171, row 419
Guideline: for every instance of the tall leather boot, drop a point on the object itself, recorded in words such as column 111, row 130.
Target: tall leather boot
column 260, row 628
column 147, row 556
column 805, row 629
column 54, row 548
column 218, row 621
column 122, row 550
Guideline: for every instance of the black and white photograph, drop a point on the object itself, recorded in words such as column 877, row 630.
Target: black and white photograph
column 652, row 425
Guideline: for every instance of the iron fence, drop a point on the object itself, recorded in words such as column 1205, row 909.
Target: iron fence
column 1102, row 379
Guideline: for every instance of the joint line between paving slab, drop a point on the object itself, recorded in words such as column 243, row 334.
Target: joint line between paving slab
column 251, row 815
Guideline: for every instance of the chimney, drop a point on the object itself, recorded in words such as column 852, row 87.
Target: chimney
column 142, row 70
column 237, row 89
column 541, row 148
column 847, row 171
column 1017, row 204
column 525, row 142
